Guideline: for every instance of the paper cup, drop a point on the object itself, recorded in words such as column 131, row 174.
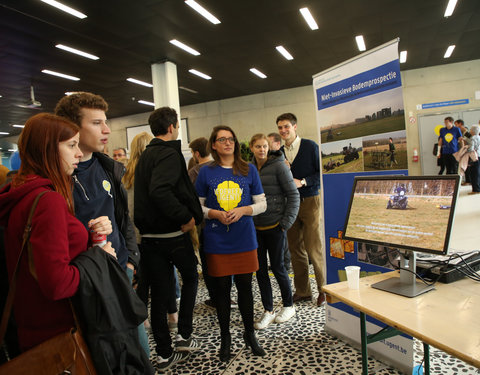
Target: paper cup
column 353, row 276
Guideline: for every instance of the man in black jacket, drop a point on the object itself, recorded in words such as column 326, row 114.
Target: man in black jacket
column 166, row 209
column 98, row 191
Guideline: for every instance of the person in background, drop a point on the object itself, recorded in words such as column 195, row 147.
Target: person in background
column 466, row 139
column 49, row 148
column 275, row 144
column 231, row 193
column 449, row 142
column 191, row 163
column 304, row 236
column 166, row 209
column 3, row 174
column 98, row 189
column 119, row 153
column 283, row 201
column 274, row 141
column 475, row 165
column 201, row 156
column 391, row 149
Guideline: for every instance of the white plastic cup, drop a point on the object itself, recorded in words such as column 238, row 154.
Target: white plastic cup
column 353, row 276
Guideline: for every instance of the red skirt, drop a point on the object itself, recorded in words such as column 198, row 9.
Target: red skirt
column 232, row 264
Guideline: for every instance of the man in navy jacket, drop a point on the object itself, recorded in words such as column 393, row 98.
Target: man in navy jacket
column 304, row 236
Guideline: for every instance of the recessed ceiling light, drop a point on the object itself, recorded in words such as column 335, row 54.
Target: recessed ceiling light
column 65, row 8
column 18, row 126
column 53, row 73
column 0, row 96
column 10, row 149
column 68, row 93
column 360, row 43
column 205, row 13
column 309, row 18
column 146, row 103
column 77, row 52
column 284, row 52
column 187, row 89
column 183, row 46
column 449, row 52
column 450, row 8
column 200, row 74
column 138, row 82
column 258, row 73
column 403, row 57
column 4, row 133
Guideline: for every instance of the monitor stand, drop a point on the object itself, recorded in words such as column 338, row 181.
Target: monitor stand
column 405, row 285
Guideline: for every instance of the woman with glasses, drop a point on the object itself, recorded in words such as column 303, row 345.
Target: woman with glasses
column 231, row 193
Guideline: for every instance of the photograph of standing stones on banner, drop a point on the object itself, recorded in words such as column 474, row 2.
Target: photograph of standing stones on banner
column 342, row 156
column 379, row 113
column 385, row 151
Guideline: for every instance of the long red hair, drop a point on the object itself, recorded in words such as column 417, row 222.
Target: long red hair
column 38, row 148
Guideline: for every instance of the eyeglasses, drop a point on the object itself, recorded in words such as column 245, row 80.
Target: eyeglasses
column 223, row 140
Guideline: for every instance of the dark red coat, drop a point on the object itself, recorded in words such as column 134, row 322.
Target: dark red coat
column 41, row 308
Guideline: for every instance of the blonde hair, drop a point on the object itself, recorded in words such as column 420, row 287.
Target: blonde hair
column 139, row 144
column 256, row 138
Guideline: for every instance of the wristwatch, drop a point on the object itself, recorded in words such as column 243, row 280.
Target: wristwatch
column 303, row 182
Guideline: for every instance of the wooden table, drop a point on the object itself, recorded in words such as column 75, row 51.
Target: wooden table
column 447, row 318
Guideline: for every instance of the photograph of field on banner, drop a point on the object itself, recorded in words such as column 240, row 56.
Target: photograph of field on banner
column 385, row 151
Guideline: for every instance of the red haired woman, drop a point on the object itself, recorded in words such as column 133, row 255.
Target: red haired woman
column 49, row 152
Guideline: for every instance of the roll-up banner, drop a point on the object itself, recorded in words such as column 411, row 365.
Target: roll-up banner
column 361, row 125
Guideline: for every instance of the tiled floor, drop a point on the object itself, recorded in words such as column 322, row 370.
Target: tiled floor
column 301, row 346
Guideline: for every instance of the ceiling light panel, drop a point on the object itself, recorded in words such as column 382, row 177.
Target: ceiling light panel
column 360, row 43
column 309, row 18
column 449, row 52
column 450, row 8
column 65, row 8
column 187, row 89
column 200, row 74
column 77, row 52
column 18, row 126
column 284, row 52
column 205, row 13
column 403, row 57
column 4, row 133
column 146, row 103
column 138, row 82
column 62, row 75
column 258, row 73
column 186, row 48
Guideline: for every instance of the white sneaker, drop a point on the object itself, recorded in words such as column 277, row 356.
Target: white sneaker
column 267, row 318
column 286, row 313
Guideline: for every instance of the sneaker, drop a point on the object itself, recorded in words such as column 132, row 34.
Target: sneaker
column 165, row 363
column 266, row 319
column 186, row 345
column 286, row 313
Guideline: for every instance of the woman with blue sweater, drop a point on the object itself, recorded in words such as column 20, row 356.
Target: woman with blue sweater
column 283, row 201
column 231, row 193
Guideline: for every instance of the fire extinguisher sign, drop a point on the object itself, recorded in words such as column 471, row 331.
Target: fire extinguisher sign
column 412, row 120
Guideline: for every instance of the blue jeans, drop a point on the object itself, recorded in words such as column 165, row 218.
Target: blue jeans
column 142, row 334
column 272, row 241
column 160, row 255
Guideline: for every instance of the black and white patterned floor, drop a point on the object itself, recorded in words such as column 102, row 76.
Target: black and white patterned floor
column 299, row 346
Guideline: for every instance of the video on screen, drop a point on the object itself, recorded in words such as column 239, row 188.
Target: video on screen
column 410, row 213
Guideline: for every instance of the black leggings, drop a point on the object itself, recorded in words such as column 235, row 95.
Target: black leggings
column 245, row 300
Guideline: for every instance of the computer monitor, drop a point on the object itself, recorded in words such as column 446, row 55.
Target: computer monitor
column 410, row 213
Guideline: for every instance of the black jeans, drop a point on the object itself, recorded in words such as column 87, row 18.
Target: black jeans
column 475, row 175
column 272, row 242
column 160, row 255
column 451, row 164
column 245, row 301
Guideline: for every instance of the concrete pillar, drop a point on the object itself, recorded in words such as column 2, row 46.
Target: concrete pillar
column 165, row 92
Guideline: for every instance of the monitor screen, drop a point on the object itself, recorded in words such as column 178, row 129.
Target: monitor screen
column 414, row 213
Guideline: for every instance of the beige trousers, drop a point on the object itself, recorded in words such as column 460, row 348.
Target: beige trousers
column 305, row 243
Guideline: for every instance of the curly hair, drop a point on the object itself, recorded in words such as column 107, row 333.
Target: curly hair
column 69, row 106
